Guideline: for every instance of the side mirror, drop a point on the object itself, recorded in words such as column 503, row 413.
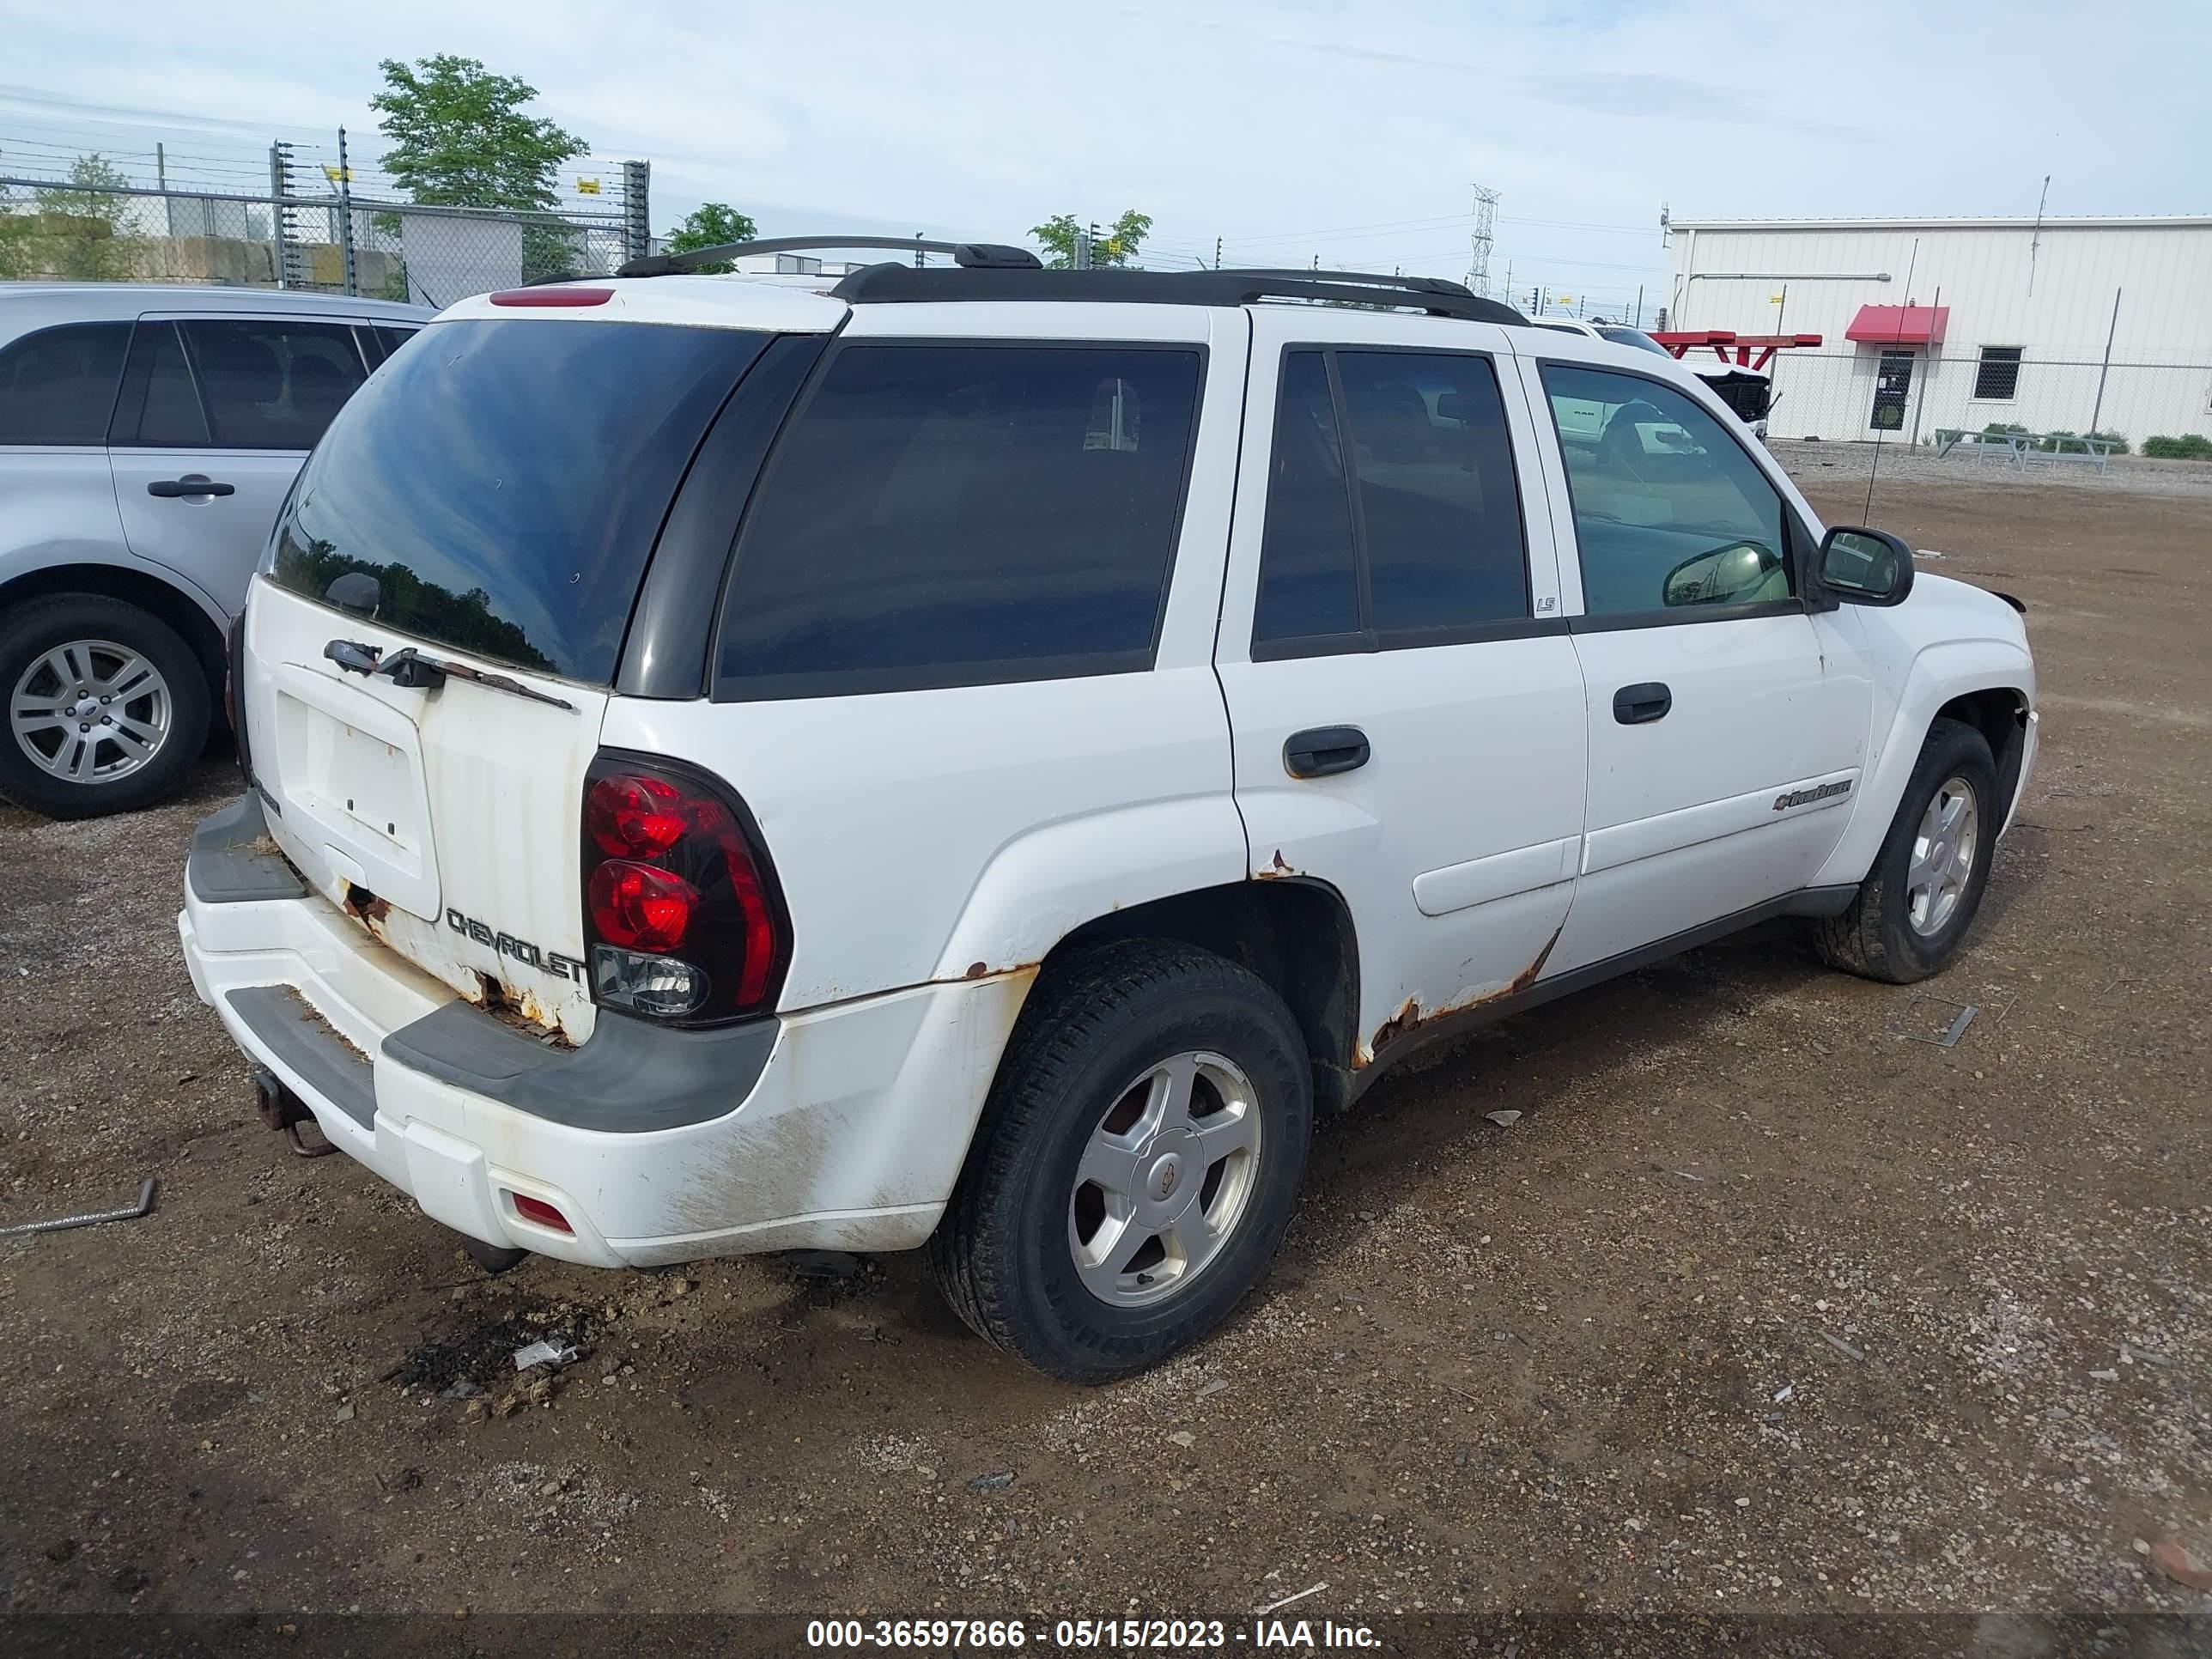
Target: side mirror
column 1865, row 567
column 1739, row 574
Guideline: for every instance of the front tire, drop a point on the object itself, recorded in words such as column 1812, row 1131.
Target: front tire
column 1914, row 908
column 106, row 707
column 1136, row 1161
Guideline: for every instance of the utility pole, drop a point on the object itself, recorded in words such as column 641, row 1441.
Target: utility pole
column 1639, row 305
column 1477, row 249
column 1217, row 254
column 919, row 256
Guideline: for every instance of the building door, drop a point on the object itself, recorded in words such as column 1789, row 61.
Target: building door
column 1892, row 388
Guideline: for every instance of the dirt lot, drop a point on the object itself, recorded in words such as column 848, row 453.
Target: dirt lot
column 1759, row 1305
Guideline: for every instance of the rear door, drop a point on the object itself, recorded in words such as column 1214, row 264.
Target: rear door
column 216, row 415
column 1726, row 730
column 1406, row 705
column 56, row 498
column 491, row 505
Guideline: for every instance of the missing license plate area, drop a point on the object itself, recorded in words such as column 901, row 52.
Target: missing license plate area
column 369, row 781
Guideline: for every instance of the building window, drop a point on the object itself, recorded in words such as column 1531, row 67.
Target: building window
column 1998, row 374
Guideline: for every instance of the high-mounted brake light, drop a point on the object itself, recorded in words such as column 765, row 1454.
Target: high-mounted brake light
column 553, row 297
column 684, row 919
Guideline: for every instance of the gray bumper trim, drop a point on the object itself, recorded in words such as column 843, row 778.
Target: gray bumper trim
column 316, row 1054
column 225, row 867
column 627, row 1076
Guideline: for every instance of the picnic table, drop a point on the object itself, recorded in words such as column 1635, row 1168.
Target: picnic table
column 2025, row 449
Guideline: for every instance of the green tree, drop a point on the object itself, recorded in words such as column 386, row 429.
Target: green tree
column 1118, row 245
column 84, row 226
column 19, row 236
column 459, row 138
column 716, row 224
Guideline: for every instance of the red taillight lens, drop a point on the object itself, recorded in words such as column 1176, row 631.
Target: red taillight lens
column 538, row 1210
column 640, row 907
column 553, row 297
column 634, row 817
column 686, row 923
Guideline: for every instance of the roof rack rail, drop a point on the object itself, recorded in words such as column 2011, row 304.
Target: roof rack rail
column 896, row 284
column 969, row 256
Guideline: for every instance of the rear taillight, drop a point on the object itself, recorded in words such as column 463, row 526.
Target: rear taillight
column 683, row 919
column 552, row 296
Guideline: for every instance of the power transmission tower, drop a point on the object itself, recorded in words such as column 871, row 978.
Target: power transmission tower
column 1477, row 250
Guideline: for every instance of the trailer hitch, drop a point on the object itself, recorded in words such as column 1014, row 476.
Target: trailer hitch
column 281, row 1110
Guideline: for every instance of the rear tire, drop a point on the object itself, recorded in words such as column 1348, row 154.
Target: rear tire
column 1916, row 904
column 1098, row 1227
column 59, row 657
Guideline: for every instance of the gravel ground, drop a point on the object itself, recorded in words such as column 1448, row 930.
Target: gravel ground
column 1759, row 1305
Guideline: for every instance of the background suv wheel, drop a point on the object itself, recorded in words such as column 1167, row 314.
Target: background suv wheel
column 1136, row 1161
column 106, row 707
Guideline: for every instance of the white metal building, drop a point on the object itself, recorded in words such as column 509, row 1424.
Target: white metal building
column 2054, row 324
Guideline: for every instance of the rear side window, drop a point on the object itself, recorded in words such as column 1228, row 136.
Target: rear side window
column 272, row 383
column 160, row 407
column 506, row 488
column 383, row 340
column 58, row 385
column 1425, row 546
column 963, row 514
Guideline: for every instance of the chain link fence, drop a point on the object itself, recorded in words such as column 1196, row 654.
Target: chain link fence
column 310, row 229
column 2025, row 404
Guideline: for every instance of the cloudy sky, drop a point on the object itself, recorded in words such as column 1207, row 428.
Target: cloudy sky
column 1349, row 130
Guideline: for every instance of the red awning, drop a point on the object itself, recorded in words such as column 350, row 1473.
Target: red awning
column 1920, row 325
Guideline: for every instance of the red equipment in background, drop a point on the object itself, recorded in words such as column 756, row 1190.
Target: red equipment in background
column 1722, row 340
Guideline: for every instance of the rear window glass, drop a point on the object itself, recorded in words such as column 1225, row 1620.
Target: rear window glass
column 57, row 385
column 957, row 514
column 505, row 481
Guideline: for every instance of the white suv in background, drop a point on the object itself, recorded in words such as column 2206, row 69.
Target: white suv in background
column 147, row 435
column 977, row 758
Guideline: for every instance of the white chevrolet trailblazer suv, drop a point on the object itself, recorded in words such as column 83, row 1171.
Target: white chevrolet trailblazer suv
column 978, row 757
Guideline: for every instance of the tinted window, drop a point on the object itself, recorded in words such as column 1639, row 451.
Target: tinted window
column 1309, row 583
column 389, row 339
column 160, row 406
column 57, row 385
column 957, row 513
column 1439, row 514
column 1658, row 484
column 1436, row 545
column 506, row 488
column 272, row 383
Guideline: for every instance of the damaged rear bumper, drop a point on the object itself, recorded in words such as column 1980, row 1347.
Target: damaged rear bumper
column 841, row 1128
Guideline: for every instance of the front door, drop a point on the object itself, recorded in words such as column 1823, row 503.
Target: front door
column 1893, row 389
column 214, row 417
column 1724, row 739
column 1403, row 700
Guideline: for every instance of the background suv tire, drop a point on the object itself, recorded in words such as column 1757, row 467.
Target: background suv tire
column 1136, row 1164
column 106, row 705
column 1916, row 904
